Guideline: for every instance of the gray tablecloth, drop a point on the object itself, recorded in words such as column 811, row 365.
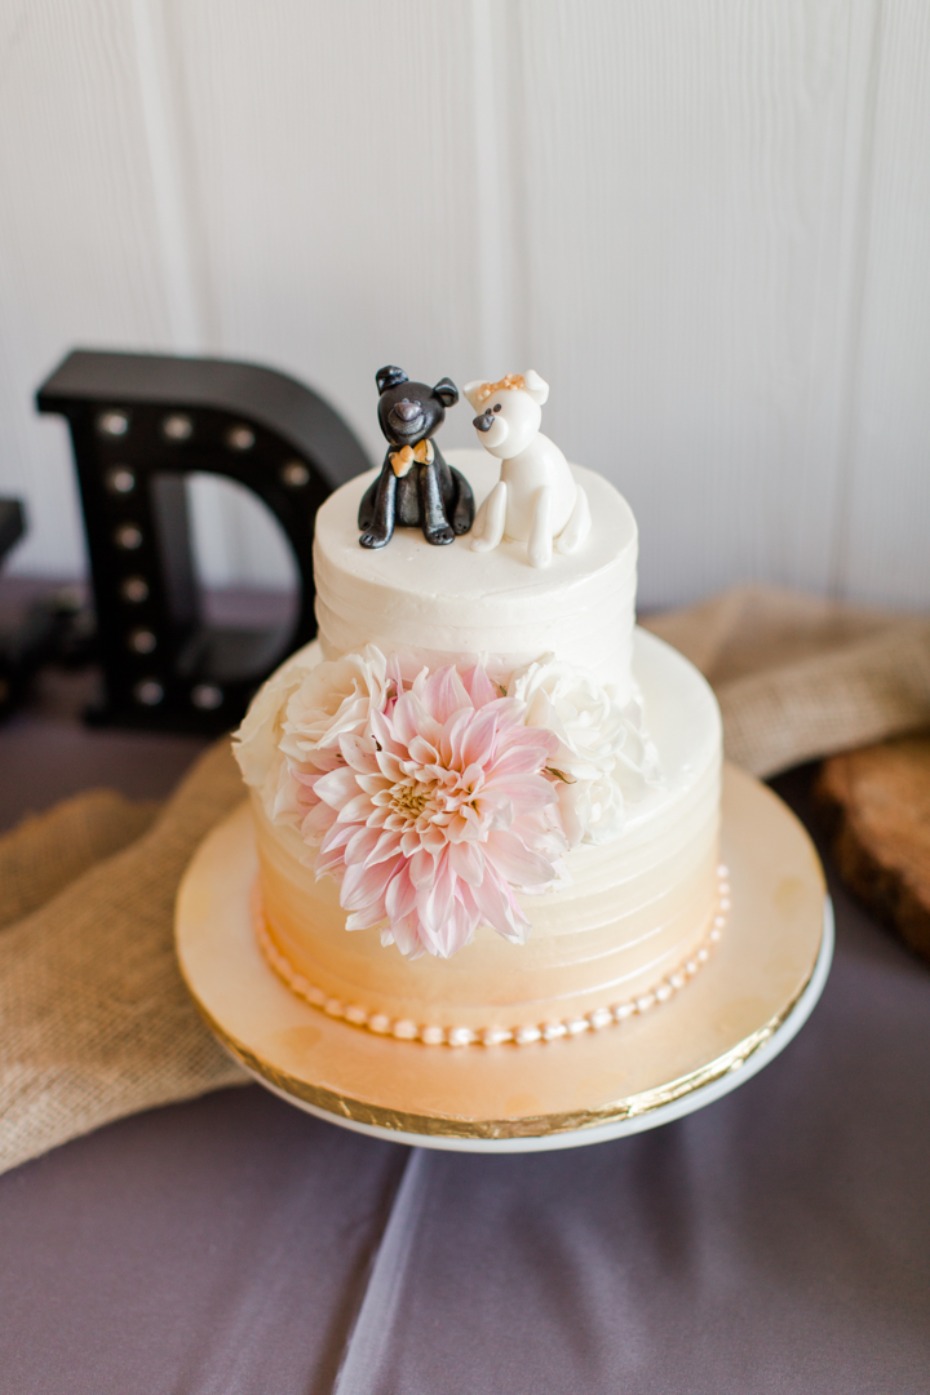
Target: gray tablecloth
column 778, row 1241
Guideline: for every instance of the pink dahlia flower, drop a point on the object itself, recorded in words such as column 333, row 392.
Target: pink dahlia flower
column 434, row 811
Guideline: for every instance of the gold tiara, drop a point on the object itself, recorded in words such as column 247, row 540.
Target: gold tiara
column 512, row 380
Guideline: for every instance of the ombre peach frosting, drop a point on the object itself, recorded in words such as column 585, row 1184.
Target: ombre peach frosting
column 486, row 806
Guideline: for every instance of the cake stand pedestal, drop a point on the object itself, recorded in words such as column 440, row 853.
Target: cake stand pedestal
column 740, row 1011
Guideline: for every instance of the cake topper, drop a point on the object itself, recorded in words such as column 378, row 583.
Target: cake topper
column 416, row 488
column 537, row 499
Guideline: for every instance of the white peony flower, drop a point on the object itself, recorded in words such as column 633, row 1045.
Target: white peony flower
column 302, row 709
column 333, row 699
column 605, row 761
column 256, row 743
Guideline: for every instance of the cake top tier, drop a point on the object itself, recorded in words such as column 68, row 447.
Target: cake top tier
column 454, row 600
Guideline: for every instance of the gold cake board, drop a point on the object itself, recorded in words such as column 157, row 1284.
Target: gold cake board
column 737, row 1014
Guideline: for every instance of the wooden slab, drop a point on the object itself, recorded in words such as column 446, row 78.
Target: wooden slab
column 877, row 805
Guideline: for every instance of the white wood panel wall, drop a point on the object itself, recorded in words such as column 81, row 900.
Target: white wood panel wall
column 704, row 221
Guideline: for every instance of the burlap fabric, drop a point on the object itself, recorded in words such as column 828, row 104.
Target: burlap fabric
column 96, row 1023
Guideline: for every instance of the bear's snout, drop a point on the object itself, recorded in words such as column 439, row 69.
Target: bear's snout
column 484, row 422
column 406, row 411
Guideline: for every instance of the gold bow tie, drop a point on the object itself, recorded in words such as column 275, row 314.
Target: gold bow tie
column 401, row 460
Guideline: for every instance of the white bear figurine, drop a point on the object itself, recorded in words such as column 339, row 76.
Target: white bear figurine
column 537, row 499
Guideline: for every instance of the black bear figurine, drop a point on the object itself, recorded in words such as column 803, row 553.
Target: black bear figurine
column 416, row 488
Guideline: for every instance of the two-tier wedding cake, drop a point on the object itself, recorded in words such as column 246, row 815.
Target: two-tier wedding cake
column 486, row 805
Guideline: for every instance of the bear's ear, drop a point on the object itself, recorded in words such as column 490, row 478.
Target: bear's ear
column 389, row 377
column 536, row 387
column 473, row 392
column 447, row 392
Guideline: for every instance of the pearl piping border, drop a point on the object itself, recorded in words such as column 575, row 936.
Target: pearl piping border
column 403, row 1029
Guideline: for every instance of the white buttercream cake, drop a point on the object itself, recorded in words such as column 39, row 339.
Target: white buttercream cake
column 486, row 805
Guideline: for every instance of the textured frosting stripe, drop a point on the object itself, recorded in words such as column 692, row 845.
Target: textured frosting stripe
column 564, row 962
column 554, row 1028
column 516, row 642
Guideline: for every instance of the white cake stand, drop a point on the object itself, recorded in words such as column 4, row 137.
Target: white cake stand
column 733, row 1019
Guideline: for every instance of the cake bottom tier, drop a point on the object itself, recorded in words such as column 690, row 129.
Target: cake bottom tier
column 634, row 914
